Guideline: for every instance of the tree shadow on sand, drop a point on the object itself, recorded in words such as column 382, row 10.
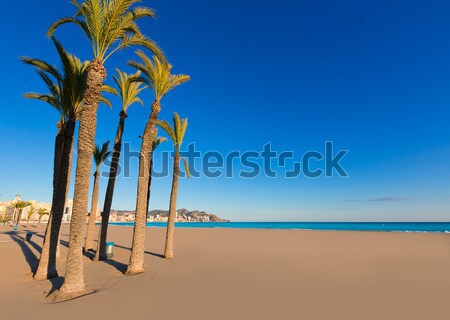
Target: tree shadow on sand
column 29, row 255
column 33, row 260
column 158, row 255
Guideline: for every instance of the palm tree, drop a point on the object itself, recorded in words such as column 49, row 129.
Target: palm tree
column 109, row 25
column 129, row 91
column 19, row 205
column 100, row 154
column 42, row 212
column 156, row 75
column 156, row 142
column 176, row 133
column 66, row 94
column 30, row 214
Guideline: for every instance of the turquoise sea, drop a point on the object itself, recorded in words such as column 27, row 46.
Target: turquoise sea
column 347, row 226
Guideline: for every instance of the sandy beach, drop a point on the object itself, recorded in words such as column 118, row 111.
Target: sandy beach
column 243, row 274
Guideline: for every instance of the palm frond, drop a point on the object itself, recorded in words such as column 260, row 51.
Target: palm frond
column 20, row 204
column 42, row 212
column 44, row 66
column 77, row 21
column 129, row 88
column 167, row 128
column 110, row 25
column 66, row 85
column 156, row 73
column 100, row 153
column 51, row 100
column 157, row 140
column 186, row 167
column 176, row 133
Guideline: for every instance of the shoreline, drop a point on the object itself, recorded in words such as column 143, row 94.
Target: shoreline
column 408, row 227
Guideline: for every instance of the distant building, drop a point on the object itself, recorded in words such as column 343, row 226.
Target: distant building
column 7, row 210
column 68, row 210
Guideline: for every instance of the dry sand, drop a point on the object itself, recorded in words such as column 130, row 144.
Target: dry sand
column 243, row 274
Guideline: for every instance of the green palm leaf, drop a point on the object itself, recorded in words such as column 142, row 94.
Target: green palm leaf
column 129, row 88
column 66, row 85
column 110, row 25
column 176, row 133
column 100, row 153
column 156, row 74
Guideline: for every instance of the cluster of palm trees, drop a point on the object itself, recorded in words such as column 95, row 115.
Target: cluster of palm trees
column 18, row 206
column 75, row 91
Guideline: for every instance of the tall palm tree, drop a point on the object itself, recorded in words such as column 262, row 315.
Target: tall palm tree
column 45, row 70
column 66, row 94
column 129, row 91
column 176, row 133
column 42, row 212
column 156, row 75
column 109, row 25
column 99, row 154
column 156, row 142
column 19, row 205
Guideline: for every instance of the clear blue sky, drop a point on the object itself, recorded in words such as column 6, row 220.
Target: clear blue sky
column 372, row 76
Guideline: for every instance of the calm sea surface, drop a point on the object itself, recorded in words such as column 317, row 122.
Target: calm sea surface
column 348, row 226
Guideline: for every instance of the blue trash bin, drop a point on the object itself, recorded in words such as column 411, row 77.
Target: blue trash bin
column 110, row 250
column 28, row 237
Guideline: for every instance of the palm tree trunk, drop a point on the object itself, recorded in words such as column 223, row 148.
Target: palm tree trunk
column 59, row 146
column 47, row 261
column 136, row 264
column 149, row 182
column 74, row 278
column 19, row 215
column 113, row 170
column 168, row 252
column 57, row 158
column 92, row 216
column 13, row 217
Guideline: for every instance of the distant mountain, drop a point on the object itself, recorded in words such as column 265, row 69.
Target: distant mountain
column 183, row 215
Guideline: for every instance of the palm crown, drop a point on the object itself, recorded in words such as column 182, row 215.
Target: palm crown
column 100, row 154
column 129, row 90
column 110, row 25
column 67, row 86
column 176, row 133
column 156, row 75
column 20, row 204
column 42, row 212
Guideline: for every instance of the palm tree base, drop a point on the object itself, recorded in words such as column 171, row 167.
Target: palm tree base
column 45, row 276
column 100, row 258
column 134, row 271
column 61, row 296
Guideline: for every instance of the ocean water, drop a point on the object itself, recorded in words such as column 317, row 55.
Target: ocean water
column 347, row 226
